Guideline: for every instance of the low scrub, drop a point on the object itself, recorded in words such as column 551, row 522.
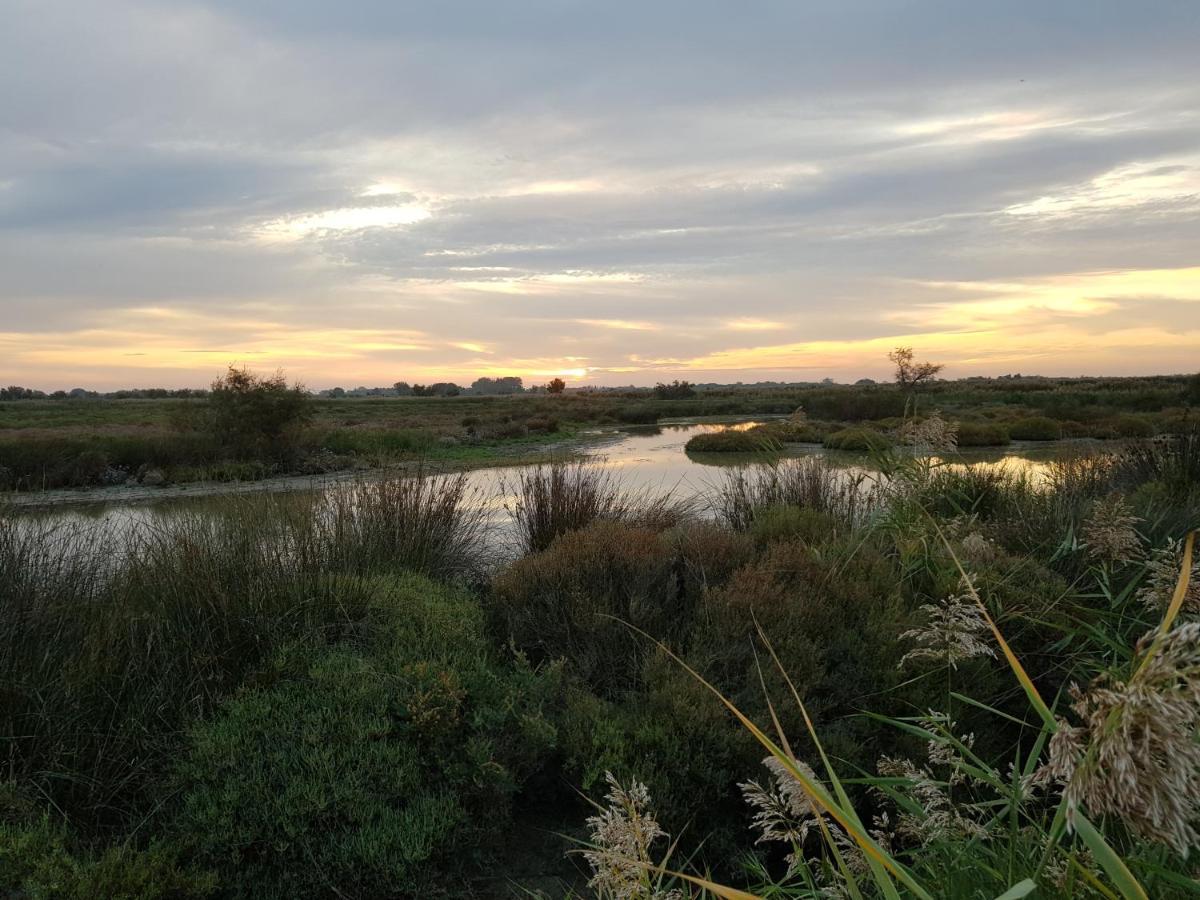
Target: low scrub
column 1039, row 428
column 979, row 434
column 858, row 439
column 732, row 440
column 365, row 770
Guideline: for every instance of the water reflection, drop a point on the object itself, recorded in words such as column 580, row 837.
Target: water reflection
column 648, row 459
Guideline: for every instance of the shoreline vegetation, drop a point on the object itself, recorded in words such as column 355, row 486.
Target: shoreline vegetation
column 964, row 684
column 83, row 442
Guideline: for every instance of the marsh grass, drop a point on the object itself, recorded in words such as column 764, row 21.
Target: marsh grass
column 551, row 500
column 809, row 482
column 109, row 648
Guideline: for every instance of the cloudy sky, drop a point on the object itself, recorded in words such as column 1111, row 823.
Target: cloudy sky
column 616, row 192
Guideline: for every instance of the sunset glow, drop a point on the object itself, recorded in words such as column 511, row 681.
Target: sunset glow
column 376, row 199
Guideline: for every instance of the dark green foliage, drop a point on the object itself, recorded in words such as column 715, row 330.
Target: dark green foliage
column 1035, row 429
column 979, row 434
column 256, row 414
column 860, row 439
column 731, row 440
column 38, row 862
column 366, row 772
column 563, row 601
column 676, row 390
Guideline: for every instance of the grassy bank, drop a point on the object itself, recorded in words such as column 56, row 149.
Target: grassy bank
column 345, row 696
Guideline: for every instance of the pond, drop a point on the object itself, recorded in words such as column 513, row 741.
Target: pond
column 647, row 459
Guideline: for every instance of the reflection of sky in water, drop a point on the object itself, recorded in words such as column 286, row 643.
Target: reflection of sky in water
column 649, row 459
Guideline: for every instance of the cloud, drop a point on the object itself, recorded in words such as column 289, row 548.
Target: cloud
column 380, row 191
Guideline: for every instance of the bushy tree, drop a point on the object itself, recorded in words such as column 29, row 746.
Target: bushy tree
column 555, row 386
column 509, row 384
column 911, row 375
column 676, row 390
column 258, row 413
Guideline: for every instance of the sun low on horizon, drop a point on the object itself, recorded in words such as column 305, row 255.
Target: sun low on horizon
column 611, row 194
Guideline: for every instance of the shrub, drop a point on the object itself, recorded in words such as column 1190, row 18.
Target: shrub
column 790, row 432
column 976, row 434
column 681, row 741
column 37, row 861
column 859, row 439
column 371, row 772
column 1038, row 428
column 557, row 604
column 731, row 440
column 1124, row 426
column 258, row 414
column 791, row 523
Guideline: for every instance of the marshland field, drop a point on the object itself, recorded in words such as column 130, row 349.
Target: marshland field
column 813, row 641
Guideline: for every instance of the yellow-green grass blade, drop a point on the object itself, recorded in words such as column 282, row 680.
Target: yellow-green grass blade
column 877, row 870
column 1027, row 684
column 1112, row 864
column 813, row 790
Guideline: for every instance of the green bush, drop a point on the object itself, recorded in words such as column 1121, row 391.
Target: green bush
column 1124, row 426
column 38, row 862
column 787, row 431
column 373, row 771
column 1038, row 428
column 857, row 439
column 731, row 440
column 977, row 434
column 676, row 737
column 255, row 414
column 562, row 603
column 779, row 523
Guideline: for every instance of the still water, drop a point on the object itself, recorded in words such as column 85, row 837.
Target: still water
column 647, row 459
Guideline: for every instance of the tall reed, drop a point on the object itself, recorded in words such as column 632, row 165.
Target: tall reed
column 808, row 482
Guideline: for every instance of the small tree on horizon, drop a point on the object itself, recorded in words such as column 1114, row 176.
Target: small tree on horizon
column 258, row 413
column 911, row 376
column 555, row 386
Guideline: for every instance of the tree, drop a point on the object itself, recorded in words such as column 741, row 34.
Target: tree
column 911, row 376
column 509, row 384
column 555, row 386
column 257, row 413
column 676, row 390
column 402, row 388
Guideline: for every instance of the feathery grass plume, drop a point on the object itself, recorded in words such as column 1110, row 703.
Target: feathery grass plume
column 1162, row 571
column 956, row 630
column 978, row 549
column 933, row 434
column 784, row 813
column 1136, row 755
column 1109, row 532
column 622, row 833
column 939, row 818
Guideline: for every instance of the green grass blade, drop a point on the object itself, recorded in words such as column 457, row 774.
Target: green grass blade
column 1112, row 863
column 1020, row 889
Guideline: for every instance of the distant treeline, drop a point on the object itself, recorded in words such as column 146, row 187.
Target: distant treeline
column 676, row 390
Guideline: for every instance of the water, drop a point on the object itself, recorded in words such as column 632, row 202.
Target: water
column 649, row 459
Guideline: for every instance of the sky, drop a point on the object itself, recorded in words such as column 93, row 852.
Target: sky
column 614, row 193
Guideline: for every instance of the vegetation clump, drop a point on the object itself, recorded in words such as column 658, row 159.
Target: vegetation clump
column 858, row 439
